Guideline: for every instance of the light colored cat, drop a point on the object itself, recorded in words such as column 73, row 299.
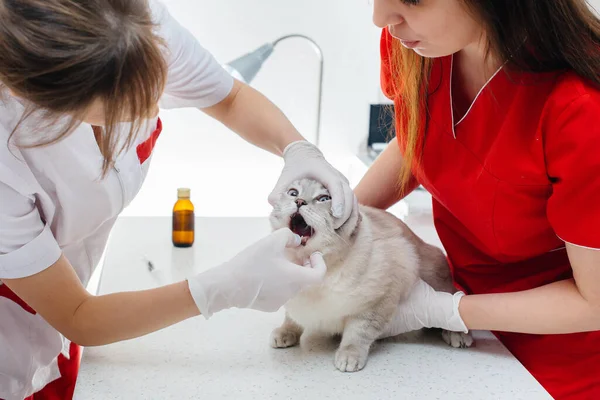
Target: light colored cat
column 372, row 262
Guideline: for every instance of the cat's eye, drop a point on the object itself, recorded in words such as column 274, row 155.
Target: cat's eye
column 323, row 198
column 292, row 192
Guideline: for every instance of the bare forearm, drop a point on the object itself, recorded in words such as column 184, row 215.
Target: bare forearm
column 557, row 308
column 57, row 294
column 256, row 119
column 380, row 187
column 110, row 318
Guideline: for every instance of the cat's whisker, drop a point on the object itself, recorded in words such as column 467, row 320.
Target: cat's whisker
column 346, row 242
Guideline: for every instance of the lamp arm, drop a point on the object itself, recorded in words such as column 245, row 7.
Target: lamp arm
column 319, row 52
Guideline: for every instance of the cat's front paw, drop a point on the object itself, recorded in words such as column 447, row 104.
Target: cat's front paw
column 458, row 339
column 282, row 338
column 351, row 358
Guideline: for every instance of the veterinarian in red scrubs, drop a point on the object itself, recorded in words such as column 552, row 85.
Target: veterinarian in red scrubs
column 85, row 79
column 507, row 141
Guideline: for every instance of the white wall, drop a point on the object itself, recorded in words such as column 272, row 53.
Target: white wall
column 228, row 176
column 344, row 30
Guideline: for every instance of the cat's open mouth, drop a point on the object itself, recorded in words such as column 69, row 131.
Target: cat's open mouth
column 299, row 226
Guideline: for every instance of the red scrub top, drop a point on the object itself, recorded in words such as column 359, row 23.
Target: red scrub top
column 511, row 182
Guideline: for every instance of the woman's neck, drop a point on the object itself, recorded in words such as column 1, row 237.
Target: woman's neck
column 476, row 62
column 472, row 69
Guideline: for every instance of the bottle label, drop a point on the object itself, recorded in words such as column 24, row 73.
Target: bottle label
column 183, row 221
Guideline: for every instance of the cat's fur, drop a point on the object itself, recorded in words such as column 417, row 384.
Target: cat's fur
column 372, row 262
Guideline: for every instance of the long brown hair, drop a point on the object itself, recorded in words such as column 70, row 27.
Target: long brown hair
column 530, row 35
column 62, row 56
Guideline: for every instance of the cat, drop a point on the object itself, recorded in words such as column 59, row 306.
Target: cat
column 372, row 262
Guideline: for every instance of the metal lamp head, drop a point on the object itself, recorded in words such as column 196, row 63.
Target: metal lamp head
column 247, row 66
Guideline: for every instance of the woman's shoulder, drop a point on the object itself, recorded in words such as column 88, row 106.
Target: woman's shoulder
column 158, row 10
column 569, row 120
column 571, row 88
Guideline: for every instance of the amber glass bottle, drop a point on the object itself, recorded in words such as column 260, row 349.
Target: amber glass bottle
column 183, row 219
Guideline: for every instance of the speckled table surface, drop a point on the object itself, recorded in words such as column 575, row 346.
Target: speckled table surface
column 229, row 357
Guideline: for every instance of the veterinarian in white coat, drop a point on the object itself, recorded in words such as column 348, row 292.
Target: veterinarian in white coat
column 82, row 78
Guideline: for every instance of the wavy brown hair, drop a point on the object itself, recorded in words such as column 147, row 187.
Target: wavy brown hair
column 531, row 35
column 62, row 56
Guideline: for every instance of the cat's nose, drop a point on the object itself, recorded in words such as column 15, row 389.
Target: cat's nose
column 300, row 203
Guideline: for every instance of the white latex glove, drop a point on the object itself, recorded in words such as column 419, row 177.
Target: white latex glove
column 305, row 160
column 260, row 277
column 426, row 308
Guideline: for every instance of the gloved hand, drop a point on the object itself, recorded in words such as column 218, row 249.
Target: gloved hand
column 426, row 308
column 260, row 277
column 305, row 160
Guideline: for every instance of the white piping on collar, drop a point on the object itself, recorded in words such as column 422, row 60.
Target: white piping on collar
column 474, row 100
column 577, row 245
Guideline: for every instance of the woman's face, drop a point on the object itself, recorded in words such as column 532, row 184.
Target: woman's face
column 432, row 28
